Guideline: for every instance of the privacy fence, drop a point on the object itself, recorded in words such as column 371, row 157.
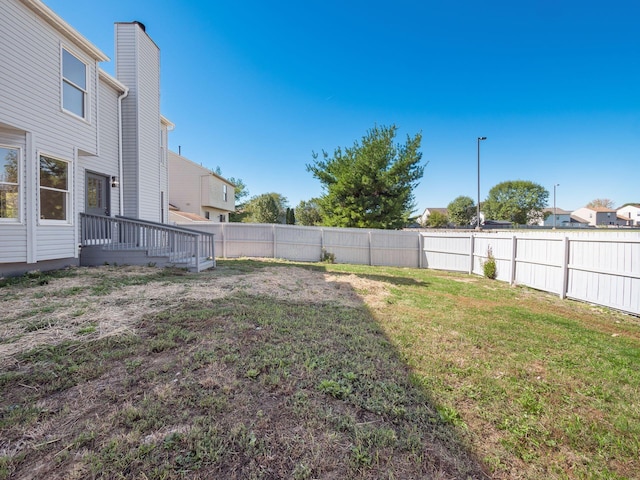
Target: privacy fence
column 600, row 267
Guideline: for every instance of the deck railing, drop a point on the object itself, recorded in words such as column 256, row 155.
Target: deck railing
column 180, row 245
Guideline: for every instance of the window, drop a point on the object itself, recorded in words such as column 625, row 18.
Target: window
column 207, row 215
column 54, row 189
column 223, row 218
column 224, row 193
column 9, row 185
column 74, row 84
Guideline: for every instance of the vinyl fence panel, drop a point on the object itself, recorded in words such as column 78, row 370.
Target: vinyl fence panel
column 301, row 244
column 447, row 252
column 348, row 245
column 395, row 249
column 606, row 272
column 539, row 263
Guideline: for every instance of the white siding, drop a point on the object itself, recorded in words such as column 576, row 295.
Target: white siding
column 138, row 66
column 126, row 73
column 107, row 162
column 30, row 82
column 56, row 242
column 13, row 243
column 30, row 96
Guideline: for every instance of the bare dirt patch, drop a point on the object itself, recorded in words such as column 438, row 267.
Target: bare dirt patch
column 75, row 307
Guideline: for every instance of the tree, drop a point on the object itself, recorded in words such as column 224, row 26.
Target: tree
column 437, row 220
column 308, row 213
column 370, row 184
column 266, row 208
column 240, row 193
column 290, row 216
column 601, row 203
column 461, row 210
column 519, row 201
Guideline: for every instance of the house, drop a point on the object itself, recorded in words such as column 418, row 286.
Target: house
column 629, row 214
column 597, row 216
column 555, row 218
column 197, row 190
column 77, row 144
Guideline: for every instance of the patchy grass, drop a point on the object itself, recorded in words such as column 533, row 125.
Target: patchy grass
column 333, row 371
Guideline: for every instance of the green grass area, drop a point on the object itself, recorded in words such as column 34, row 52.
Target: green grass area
column 447, row 376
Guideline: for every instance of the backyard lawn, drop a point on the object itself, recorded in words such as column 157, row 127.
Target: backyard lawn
column 268, row 370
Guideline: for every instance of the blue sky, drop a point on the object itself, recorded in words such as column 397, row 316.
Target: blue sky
column 255, row 87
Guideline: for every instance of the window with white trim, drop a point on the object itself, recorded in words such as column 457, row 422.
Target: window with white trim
column 9, row 183
column 54, row 189
column 74, row 84
column 224, row 193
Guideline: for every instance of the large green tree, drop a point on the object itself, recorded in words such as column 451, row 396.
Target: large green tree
column 371, row 183
column 308, row 213
column 461, row 210
column 266, row 208
column 437, row 220
column 517, row 201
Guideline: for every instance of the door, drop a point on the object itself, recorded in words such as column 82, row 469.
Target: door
column 96, row 231
column 97, row 194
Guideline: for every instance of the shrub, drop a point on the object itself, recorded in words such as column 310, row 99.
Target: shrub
column 489, row 265
column 327, row 257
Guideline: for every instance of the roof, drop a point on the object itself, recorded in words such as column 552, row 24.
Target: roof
column 576, row 219
column 114, row 82
column 436, row 209
column 192, row 217
column 601, row 209
column 558, row 211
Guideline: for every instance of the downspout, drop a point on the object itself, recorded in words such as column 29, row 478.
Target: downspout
column 165, row 162
column 120, row 160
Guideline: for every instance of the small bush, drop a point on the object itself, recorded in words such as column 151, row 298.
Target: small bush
column 327, row 257
column 489, row 265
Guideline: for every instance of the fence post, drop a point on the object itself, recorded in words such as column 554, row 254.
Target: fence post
column 565, row 268
column 224, row 242
column 420, row 249
column 370, row 252
column 321, row 243
column 514, row 243
column 198, row 252
column 275, row 245
column 472, row 242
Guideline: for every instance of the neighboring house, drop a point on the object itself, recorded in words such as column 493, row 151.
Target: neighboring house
column 630, row 214
column 74, row 139
column 562, row 218
column 597, row 216
column 424, row 218
column 197, row 190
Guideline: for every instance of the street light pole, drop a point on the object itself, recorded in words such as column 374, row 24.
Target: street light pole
column 478, row 206
column 554, row 204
